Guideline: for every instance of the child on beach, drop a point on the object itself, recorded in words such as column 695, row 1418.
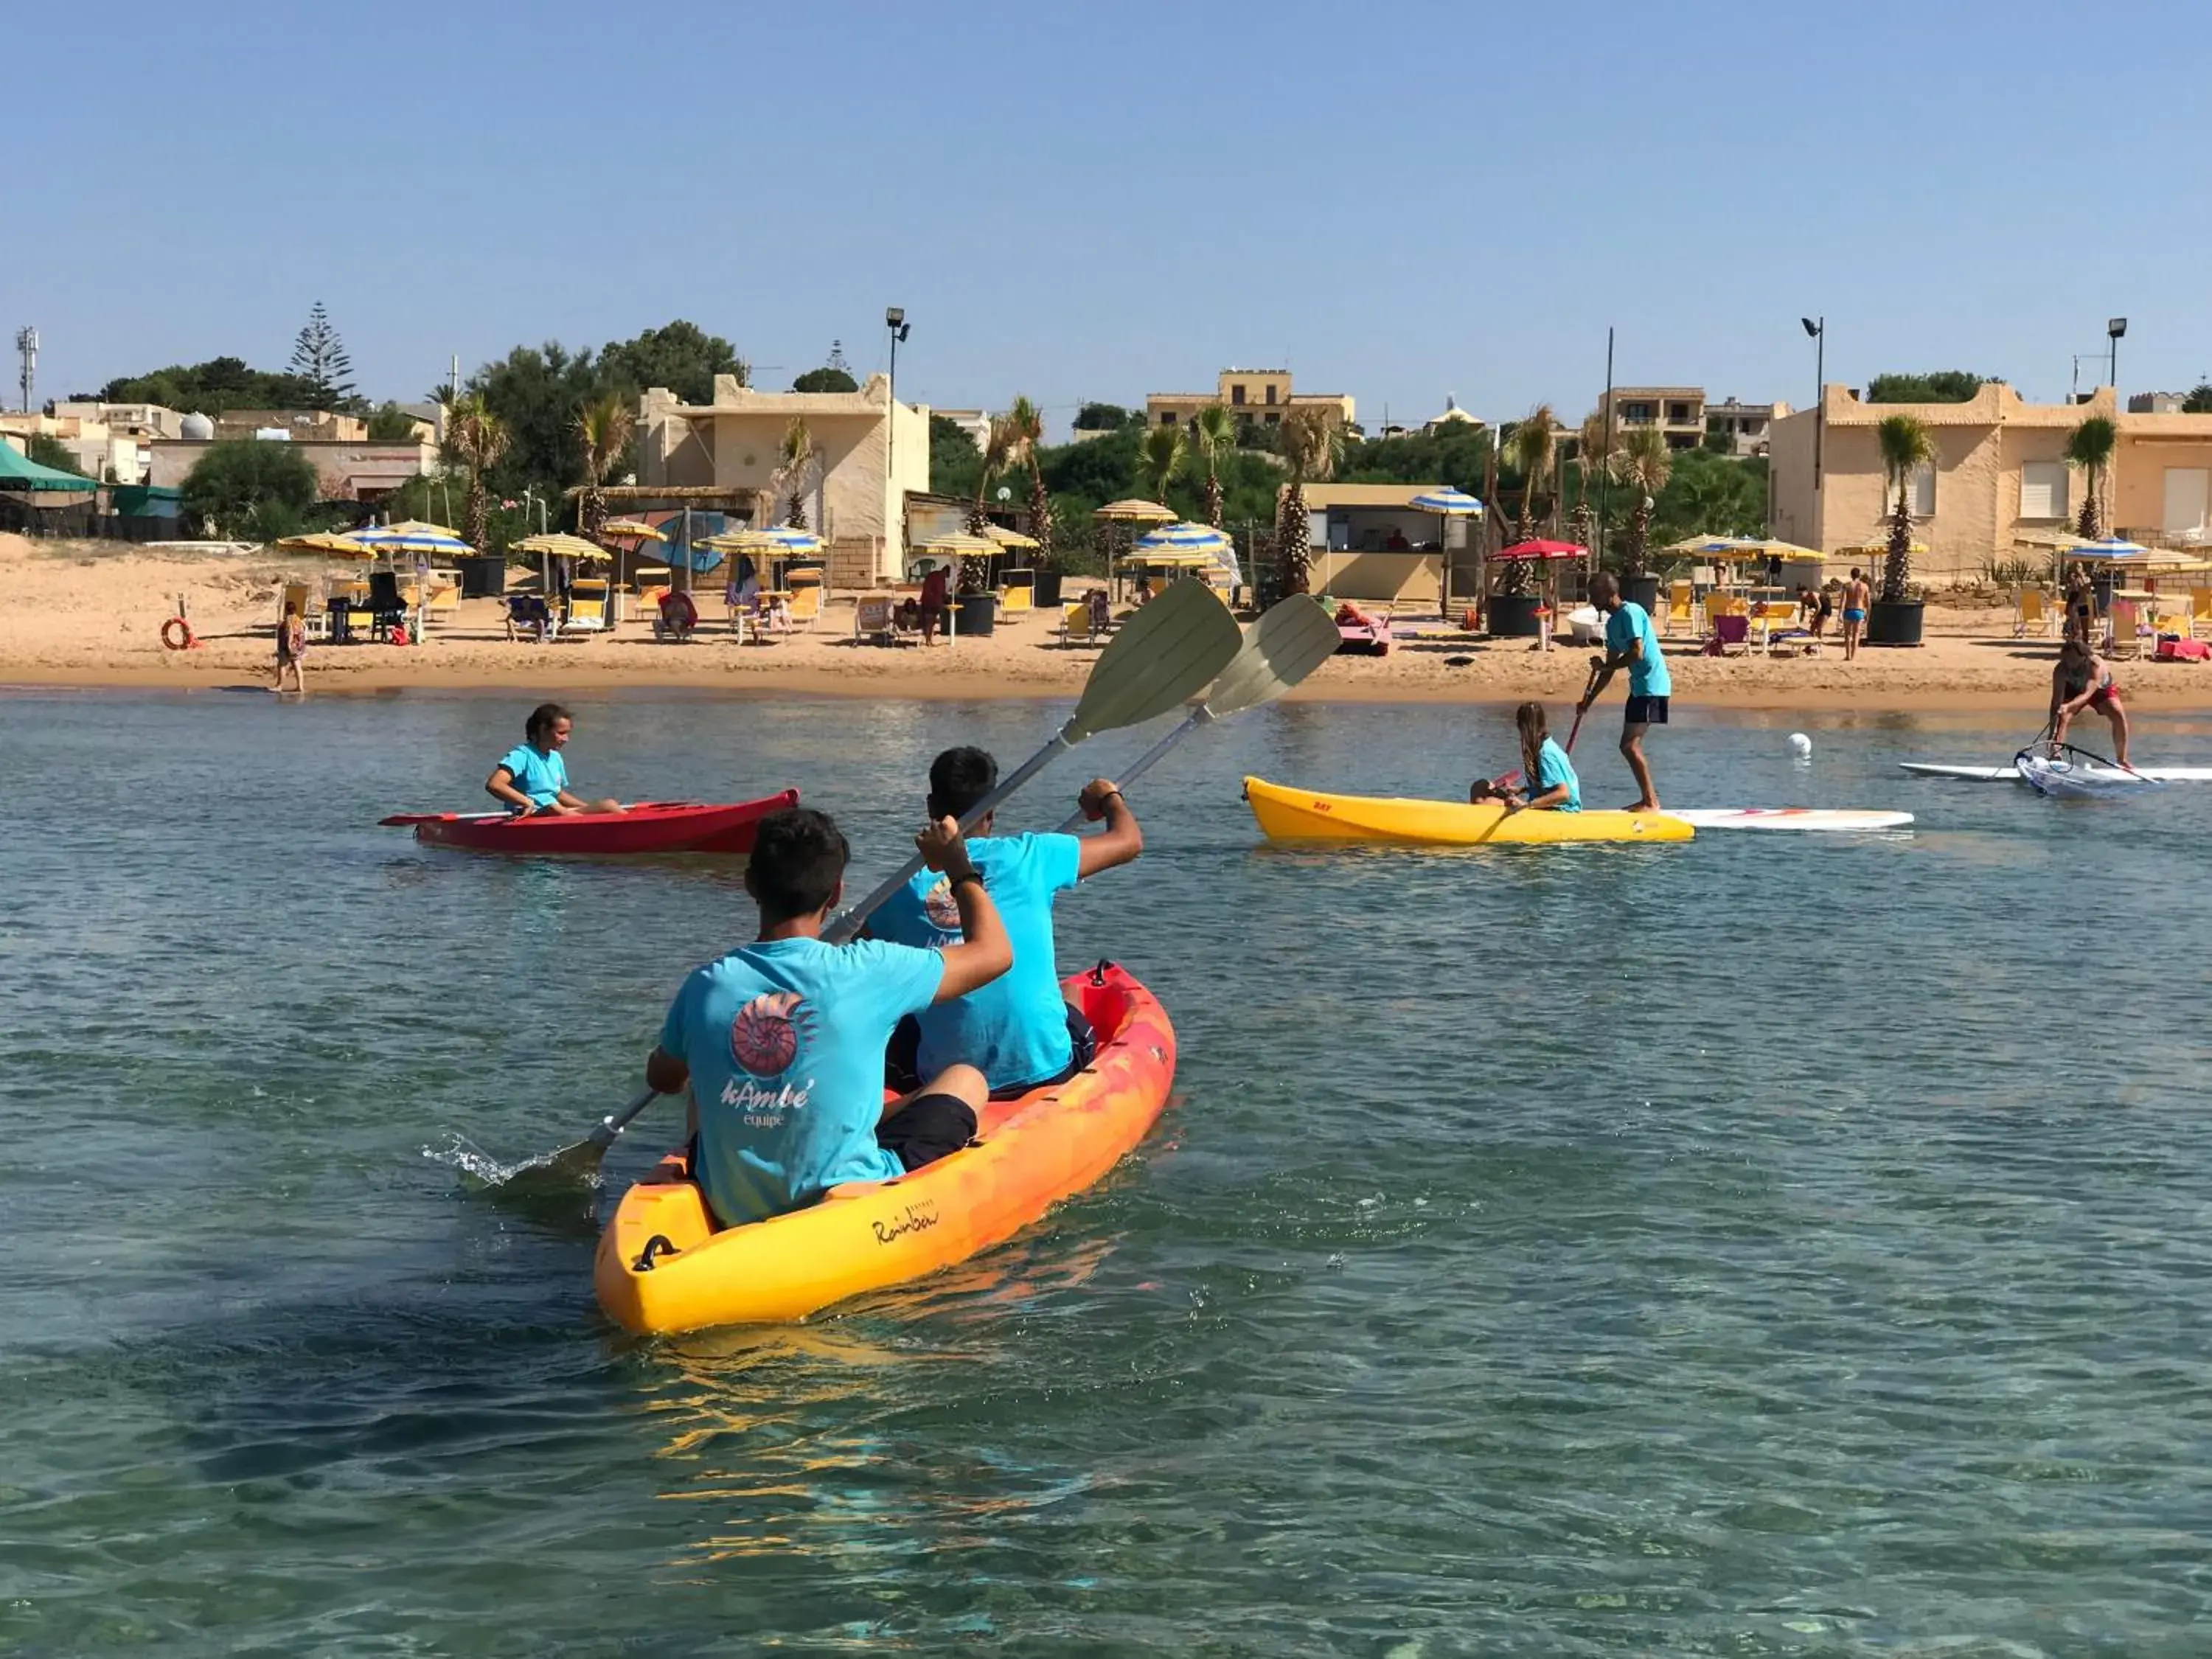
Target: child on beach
column 1548, row 780
column 291, row 650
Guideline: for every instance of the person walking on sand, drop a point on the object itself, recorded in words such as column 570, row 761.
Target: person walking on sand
column 1857, row 596
column 2081, row 607
column 1631, row 642
column 291, row 650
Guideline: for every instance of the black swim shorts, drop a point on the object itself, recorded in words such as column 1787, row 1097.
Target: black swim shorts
column 1646, row 711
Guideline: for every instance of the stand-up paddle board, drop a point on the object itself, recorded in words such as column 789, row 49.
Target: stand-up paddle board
column 2011, row 773
column 1846, row 820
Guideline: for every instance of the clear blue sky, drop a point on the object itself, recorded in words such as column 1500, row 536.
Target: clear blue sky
column 1092, row 202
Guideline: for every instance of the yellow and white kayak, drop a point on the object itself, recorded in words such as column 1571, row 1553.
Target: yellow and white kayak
column 1307, row 815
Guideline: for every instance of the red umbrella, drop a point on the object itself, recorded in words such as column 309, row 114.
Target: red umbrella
column 1543, row 550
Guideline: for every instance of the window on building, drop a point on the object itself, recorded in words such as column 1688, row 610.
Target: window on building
column 1635, row 414
column 1167, row 418
column 1924, row 491
column 2042, row 489
column 1271, row 394
column 1236, row 395
column 1275, row 420
column 1677, row 414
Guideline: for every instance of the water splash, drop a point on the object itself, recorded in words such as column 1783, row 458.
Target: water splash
column 479, row 1169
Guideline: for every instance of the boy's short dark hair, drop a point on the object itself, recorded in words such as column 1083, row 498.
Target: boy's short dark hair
column 799, row 858
column 959, row 778
column 542, row 718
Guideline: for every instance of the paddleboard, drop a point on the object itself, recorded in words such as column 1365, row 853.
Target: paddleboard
column 1842, row 819
column 2011, row 774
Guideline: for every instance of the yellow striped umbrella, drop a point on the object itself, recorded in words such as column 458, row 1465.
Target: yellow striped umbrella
column 957, row 541
column 561, row 545
column 631, row 530
column 1136, row 512
column 1010, row 538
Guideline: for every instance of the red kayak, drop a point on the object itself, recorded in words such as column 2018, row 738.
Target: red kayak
column 653, row 826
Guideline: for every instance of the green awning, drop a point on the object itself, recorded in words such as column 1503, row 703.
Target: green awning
column 18, row 472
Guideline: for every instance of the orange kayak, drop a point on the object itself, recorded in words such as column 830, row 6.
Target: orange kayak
column 663, row 1268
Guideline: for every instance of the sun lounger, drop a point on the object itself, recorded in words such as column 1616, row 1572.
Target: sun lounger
column 2200, row 609
column 2032, row 613
column 530, row 611
column 1731, row 636
column 876, row 617
column 1680, row 608
column 805, row 600
column 587, row 606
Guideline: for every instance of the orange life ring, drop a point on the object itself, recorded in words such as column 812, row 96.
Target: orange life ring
column 182, row 640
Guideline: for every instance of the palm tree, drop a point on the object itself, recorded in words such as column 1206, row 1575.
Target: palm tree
column 1643, row 464
column 2090, row 447
column 794, row 468
column 1536, row 453
column 476, row 438
column 1214, row 434
column 603, row 430
column 996, row 448
column 1592, row 457
column 1161, row 453
column 1309, row 440
column 1025, row 430
column 1907, row 445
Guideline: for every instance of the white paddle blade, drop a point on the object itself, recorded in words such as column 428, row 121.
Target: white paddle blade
column 1296, row 636
column 1164, row 656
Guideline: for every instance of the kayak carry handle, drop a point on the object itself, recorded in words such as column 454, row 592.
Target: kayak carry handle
column 655, row 1248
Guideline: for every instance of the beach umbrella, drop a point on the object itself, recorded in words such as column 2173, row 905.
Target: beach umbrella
column 2112, row 550
column 779, row 539
column 411, row 537
column 1448, row 503
column 1193, row 546
column 1541, row 549
column 558, row 543
column 958, row 542
column 1135, row 512
column 1012, row 540
column 631, row 530
column 1703, row 543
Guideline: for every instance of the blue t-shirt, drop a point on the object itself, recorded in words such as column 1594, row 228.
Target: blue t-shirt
column 1553, row 768
column 1647, row 674
column 784, row 1041
column 541, row 777
column 1014, row 1030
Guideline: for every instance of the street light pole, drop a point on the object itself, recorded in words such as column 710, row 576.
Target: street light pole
column 895, row 320
column 2113, row 330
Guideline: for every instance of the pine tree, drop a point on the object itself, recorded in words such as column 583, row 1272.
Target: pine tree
column 318, row 357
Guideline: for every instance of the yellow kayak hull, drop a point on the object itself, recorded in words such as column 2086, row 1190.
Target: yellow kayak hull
column 1306, row 815
column 664, row 1266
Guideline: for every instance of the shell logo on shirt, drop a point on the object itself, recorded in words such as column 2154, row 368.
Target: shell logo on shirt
column 764, row 1036
column 942, row 908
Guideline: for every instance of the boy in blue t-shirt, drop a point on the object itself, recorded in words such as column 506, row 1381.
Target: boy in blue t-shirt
column 782, row 1041
column 532, row 777
column 1630, row 641
column 1017, row 1030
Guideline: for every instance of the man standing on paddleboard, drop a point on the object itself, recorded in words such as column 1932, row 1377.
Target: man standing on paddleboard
column 1630, row 641
column 1017, row 1030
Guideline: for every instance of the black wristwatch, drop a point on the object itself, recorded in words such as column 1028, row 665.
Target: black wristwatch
column 976, row 876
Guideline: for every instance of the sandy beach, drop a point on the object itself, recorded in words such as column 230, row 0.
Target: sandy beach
column 90, row 614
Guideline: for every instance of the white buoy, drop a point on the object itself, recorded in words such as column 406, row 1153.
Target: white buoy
column 1801, row 745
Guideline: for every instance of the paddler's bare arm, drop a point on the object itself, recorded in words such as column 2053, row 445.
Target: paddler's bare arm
column 984, row 951
column 1120, row 842
column 500, row 785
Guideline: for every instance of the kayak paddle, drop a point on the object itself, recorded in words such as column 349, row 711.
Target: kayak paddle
column 1296, row 636
column 578, row 1162
column 404, row 820
column 1164, row 653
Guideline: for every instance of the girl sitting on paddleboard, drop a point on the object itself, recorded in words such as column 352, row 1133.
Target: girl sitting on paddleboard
column 532, row 777
column 1548, row 780
column 2083, row 680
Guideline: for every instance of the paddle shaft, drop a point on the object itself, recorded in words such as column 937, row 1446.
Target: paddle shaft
column 849, row 926
column 603, row 1136
column 1198, row 716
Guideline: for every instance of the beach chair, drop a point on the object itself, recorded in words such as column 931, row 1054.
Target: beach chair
column 875, row 618
column 2125, row 625
column 1682, row 605
column 2200, row 608
column 2176, row 621
column 587, row 605
column 317, row 618
column 385, row 607
column 530, row 613
column 1075, row 627
column 1731, row 636
column 2032, row 613
column 805, row 601
column 1019, row 600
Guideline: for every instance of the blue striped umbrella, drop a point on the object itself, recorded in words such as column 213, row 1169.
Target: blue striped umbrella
column 1452, row 503
column 1185, row 538
column 410, row 537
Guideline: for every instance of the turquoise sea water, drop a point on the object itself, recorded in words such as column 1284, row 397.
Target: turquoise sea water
column 1773, row 1245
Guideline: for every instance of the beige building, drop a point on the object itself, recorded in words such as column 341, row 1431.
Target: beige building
column 344, row 471
column 1261, row 395
column 1370, row 542
column 869, row 451
column 1748, row 428
column 111, row 442
column 1679, row 411
column 1999, row 471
